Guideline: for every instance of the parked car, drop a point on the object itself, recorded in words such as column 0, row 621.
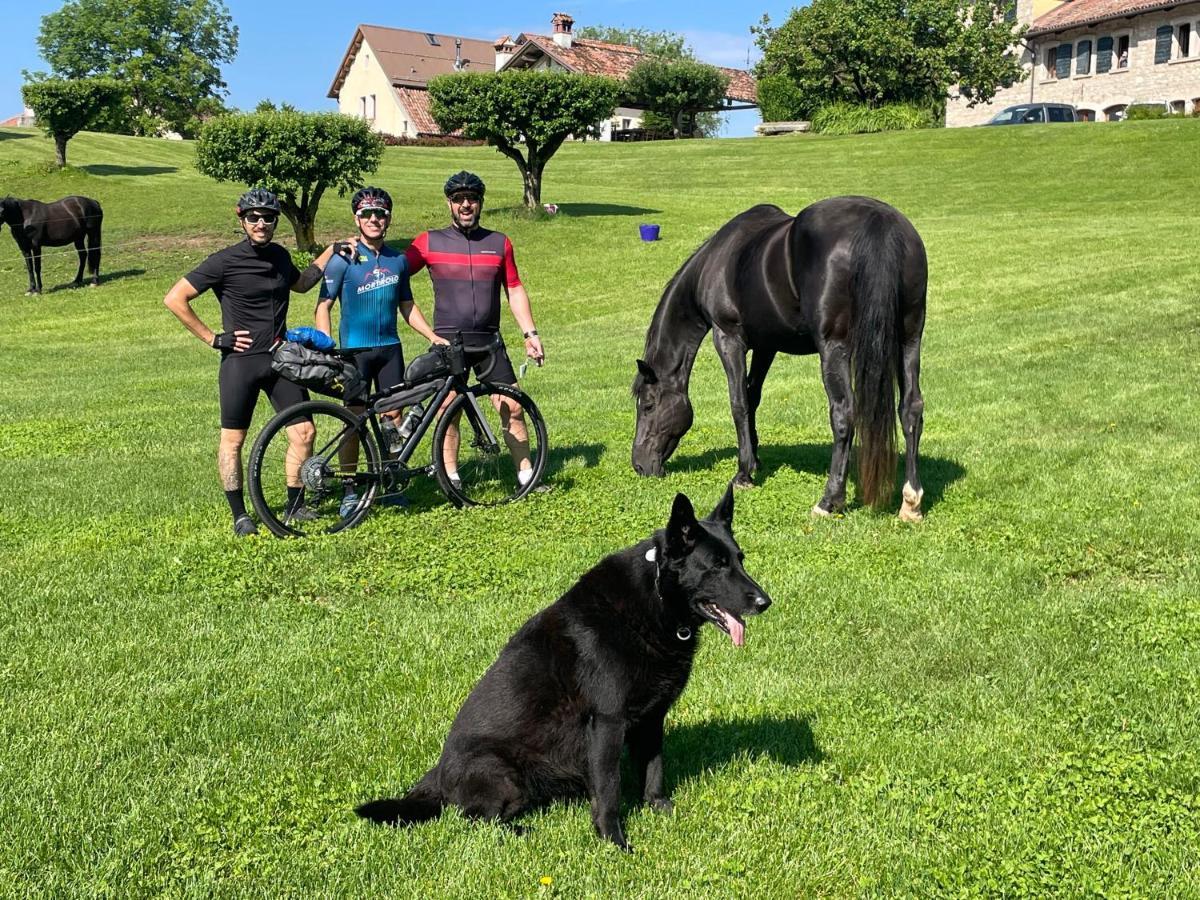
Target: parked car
column 1030, row 113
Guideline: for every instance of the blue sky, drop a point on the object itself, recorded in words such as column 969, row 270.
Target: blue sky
column 288, row 51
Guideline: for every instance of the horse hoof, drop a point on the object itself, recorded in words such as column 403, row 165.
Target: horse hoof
column 821, row 512
column 743, row 481
column 910, row 509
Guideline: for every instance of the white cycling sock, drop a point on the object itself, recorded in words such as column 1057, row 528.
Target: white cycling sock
column 524, row 476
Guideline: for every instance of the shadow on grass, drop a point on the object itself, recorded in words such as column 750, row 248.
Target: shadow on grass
column 698, row 750
column 105, row 278
column 13, row 136
column 128, row 170
column 937, row 473
column 603, row 209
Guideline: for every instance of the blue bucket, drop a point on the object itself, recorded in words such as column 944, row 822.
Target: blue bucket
column 649, row 232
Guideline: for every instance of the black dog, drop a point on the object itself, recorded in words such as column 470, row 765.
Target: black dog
column 595, row 671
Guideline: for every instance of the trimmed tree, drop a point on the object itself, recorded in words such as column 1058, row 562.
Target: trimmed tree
column 297, row 155
column 875, row 52
column 677, row 90
column 526, row 115
column 63, row 108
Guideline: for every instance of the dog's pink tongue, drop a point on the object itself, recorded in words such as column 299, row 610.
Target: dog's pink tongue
column 737, row 631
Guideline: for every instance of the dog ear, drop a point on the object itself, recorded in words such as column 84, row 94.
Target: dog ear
column 647, row 372
column 722, row 514
column 681, row 530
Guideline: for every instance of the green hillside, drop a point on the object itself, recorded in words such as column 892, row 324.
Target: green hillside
column 1002, row 700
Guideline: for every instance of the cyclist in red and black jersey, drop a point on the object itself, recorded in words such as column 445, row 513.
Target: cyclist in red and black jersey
column 469, row 266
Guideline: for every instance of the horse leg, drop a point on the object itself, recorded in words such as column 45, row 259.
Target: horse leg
column 35, row 272
column 835, row 373
column 732, row 351
column 33, row 279
column 79, row 248
column 760, row 363
column 94, row 257
column 912, row 420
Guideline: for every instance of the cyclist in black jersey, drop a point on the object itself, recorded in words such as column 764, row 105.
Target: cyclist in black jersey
column 252, row 280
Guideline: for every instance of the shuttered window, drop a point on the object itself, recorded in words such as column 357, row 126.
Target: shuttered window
column 1162, row 44
column 1104, row 48
column 1062, row 61
column 1083, row 58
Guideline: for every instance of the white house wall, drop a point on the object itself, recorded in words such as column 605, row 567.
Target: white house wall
column 366, row 79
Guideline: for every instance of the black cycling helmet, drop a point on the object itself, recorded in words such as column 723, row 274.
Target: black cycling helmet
column 466, row 182
column 371, row 198
column 257, row 198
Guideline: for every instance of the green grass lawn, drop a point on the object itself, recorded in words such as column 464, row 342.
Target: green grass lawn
column 1002, row 700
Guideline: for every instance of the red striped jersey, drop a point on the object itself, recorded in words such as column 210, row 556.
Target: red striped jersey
column 467, row 271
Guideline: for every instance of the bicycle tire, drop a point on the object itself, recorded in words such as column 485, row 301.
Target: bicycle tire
column 326, row 485
column 487, row 474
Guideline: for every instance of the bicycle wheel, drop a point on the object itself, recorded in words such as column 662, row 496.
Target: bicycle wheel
column 299, row 490
column 484, row 438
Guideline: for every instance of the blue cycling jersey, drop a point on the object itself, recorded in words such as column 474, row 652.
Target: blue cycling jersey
column 371, row 289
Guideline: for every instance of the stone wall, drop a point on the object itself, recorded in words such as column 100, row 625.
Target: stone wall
column 1102, row 95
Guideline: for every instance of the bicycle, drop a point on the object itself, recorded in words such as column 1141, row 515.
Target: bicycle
column 349, row 469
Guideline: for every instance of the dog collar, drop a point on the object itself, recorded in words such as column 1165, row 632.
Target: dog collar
column 683, row 632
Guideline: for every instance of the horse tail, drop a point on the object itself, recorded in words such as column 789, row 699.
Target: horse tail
column 877, row 257
column 422, row 803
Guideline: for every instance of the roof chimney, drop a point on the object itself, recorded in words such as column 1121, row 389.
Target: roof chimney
column 562, row 30
column 505, row 48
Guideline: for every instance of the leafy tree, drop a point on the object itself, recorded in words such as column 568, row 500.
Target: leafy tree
column 888, row 51
column 167, row 53
column 296, row 155
column 676, row 89
column 65, row 108
column 664, row 45
column 526, row 114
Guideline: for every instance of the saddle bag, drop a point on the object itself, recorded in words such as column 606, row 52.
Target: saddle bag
column 321, row 372
column 430, row 365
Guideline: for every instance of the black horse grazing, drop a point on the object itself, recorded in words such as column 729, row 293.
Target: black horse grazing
column 71, row 220
column 845, row 279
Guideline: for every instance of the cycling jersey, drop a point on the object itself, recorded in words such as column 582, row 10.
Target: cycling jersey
column 252, row 285
column 467, row 271
column 371, row 289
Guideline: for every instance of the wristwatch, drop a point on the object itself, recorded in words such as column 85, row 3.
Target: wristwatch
column 531, row 333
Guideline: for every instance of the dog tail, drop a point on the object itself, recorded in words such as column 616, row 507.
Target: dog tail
column 422, row 803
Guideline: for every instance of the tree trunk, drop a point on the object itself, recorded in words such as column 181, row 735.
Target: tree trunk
column 533, row 186
column 60, row 150
column 303, row 221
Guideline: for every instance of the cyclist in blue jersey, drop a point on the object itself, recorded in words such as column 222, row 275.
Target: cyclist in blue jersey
column 373, row 288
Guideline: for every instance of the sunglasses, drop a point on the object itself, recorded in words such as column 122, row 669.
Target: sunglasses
column 373, row 214
column 460, row 199
column 266, row 218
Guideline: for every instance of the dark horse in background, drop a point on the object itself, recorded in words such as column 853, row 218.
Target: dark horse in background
column 845, row 279
column 71, row 220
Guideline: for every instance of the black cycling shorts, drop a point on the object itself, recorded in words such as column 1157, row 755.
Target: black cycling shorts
column 381, row 367
column 241, row 377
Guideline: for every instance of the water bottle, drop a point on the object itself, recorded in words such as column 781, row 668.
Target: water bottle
column 392, row 438
column 411, row 420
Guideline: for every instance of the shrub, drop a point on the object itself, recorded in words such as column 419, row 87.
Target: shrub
column 429, row 140
column 853, row 118
column 780, row 99
column 1142, row 111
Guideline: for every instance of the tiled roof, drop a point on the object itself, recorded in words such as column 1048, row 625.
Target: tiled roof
column 617, row 60
column 416, row 101
column 409, row 57
column 1076, row 13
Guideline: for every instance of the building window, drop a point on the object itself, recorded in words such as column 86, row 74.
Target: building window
column 1164, row 37
column 625, row 124
column 1123, row 51
column 1183, row 40
column 1062, row 62
column 371, row 107
column 1083, row 58
column 406, row 126
column 362, row 107
column 1051, row 56
column 432, row 39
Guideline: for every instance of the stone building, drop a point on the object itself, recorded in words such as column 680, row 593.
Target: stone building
column 1101, row 56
